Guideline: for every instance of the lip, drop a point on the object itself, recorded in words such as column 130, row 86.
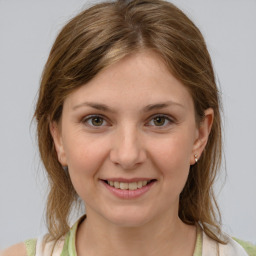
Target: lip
column 128, row 180
column 126, row 193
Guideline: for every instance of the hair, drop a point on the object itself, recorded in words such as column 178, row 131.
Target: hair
column 95, row 39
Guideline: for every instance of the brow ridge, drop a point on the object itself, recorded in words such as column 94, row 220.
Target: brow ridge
column 148, row 108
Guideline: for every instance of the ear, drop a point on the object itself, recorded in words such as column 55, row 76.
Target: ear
column 58, row 143
column 203, row 132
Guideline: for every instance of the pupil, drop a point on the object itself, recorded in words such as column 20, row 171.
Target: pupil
column 97, row 121
column 159, row 121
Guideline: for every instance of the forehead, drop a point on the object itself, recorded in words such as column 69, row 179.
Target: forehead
column 138, row 79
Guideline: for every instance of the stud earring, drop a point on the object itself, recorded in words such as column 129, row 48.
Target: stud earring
column 196, row 159
column 65, row 169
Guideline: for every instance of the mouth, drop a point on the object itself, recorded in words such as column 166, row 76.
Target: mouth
column 129, row 185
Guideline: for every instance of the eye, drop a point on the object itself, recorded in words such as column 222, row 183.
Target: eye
column 160, row 121
column 95, row 121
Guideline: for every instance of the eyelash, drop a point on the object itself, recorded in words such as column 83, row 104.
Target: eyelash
column 89, row 118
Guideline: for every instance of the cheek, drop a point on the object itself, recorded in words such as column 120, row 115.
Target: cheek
column 172, row 158
column 84, row 158
column 174, row 150
column 83, row 150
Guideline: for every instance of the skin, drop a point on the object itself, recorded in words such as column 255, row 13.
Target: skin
column 127, row 141
column 17, row 249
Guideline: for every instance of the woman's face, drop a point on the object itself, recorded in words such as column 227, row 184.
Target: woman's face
column 128, row 138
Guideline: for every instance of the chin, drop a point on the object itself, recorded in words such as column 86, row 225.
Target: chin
column 128, row 218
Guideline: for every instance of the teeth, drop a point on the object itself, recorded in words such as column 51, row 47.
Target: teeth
column 139, row 184
column 130, row 186
column 124, row 185
column 116, row 184
column 133, row 186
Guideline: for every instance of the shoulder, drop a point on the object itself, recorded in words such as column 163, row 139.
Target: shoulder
column 249, row 247
column 48, row 247
column 232, row 248
column 15, row 250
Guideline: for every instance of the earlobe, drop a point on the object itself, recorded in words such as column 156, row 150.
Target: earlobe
column 203, row 133
column 58, row 143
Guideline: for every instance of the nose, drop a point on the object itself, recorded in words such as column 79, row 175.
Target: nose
column 127, row 150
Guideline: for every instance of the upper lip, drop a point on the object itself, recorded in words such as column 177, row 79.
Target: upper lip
column 128, row 180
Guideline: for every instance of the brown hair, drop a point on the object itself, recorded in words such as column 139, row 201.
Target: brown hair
column 97, row 38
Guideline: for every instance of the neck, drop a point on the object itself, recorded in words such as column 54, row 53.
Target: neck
column 163, row 236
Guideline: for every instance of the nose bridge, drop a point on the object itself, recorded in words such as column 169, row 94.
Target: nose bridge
column 127, row 149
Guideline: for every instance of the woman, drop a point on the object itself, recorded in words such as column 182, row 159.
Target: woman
column 129, row 122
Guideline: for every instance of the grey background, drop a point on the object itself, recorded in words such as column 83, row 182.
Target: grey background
column 27, row 31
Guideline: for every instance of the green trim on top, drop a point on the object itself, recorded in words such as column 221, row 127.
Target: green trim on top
column 65, row 247
column 69, row 248
column 199, row 242
column 72, row 240
column 31, row 247
column 250, row 248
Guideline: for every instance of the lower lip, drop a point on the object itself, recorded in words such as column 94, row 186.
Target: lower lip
column 129, row 194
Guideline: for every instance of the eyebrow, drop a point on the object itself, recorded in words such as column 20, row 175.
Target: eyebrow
column 95, row 105
column 148, row 108
column 161, row 105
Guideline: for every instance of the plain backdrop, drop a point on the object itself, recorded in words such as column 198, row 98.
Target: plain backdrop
column 27, row 31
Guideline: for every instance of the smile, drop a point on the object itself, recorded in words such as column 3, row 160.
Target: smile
column 126, row 185
column 128, row 189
